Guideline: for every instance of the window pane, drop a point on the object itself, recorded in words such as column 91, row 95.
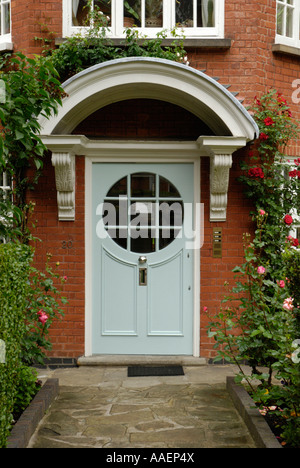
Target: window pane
column 166, row 189
column 171, row 213
column 115, row 212
column 280, row 13
column 132, row 13
column 120, row 188
column 79, row 12
column 6, row 18
column 104, row 6
column 185, row 13
column 207, row 13
column 142, row 213
column 142, row 241
column 289, row 22
column 143, row 185
column 154, row 13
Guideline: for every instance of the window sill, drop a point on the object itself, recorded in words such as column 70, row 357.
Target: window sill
column 6, row 47
column 199, row 43
column 285, row 49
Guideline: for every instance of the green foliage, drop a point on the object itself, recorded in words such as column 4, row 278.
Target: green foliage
column 30, row 301
column 15, row 263
column 259, row 319
column 85, row 50
column 43, row 306
column 32, row 89
column 28, row 386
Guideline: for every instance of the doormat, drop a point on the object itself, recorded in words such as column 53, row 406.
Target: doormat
column 150, row 371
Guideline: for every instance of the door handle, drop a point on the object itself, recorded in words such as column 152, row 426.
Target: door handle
column 142, row 259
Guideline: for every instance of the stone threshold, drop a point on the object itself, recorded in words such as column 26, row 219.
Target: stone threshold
column 143, row 360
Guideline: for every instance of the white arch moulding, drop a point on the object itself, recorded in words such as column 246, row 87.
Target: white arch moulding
column 151, row 78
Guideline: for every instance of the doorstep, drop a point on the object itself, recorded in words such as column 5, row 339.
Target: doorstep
column 143, row 360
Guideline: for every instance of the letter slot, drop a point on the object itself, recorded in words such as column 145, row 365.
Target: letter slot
column 143, row 277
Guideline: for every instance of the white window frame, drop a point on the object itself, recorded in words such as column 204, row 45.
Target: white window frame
column 293, row 41
column 117, row 29
column 4, row 38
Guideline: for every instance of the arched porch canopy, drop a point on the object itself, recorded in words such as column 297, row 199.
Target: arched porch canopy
column 153, row 78
column 139, row 77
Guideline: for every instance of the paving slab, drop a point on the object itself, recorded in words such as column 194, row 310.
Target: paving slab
column 101, row 407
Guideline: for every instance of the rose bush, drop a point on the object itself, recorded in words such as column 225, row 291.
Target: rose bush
column 258, row 323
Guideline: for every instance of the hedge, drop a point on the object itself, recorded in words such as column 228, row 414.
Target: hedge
column 15, row 262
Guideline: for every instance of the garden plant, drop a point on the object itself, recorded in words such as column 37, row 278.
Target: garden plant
column 30, row 299
column 94, row 46
column 259, row 321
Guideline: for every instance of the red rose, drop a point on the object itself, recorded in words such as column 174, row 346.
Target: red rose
column 263, row 136
column 256, row 172
column 268, row 121
column 295, row 243
column 288, row 219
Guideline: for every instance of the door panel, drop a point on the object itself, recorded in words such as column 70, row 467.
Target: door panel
column 142, row 271
column 165, row 311
column 121, row 276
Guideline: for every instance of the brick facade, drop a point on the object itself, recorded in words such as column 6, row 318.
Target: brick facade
column 249, row 66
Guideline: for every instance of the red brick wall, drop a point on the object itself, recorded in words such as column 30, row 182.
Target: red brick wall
column 249, row 66
column 216, row 271
column 67, row 336
column 143, row 118
column 35, row 20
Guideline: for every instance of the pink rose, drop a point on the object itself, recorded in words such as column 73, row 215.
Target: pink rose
column 205, row 309
column 288, row 304
column 288, row 219
column 261, row 270
column 262, row 212
column 43, row 317
column 281, row 283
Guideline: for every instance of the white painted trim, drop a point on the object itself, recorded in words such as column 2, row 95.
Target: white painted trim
column 140, row 152
column 152, row 78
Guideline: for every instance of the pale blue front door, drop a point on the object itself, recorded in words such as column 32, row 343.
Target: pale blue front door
column 142, row 265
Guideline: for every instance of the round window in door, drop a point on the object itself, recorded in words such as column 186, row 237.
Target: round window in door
column 143, row 212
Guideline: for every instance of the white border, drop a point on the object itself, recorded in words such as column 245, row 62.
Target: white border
column 141, row 153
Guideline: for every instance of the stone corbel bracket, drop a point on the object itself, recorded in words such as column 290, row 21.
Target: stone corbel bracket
column 220, row 150
column 64, row 148
column 64, row 164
